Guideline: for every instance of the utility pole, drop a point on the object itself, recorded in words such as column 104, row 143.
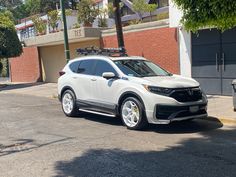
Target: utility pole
column 119, row 31
column 66, row 44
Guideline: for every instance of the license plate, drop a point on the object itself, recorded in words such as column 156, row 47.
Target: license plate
column 193, row 109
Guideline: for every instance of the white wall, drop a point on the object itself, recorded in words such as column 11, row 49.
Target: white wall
column 184, row 40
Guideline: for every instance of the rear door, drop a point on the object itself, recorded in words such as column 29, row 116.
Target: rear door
column 82, row 80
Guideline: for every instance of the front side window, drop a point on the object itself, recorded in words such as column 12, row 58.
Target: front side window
column 103, row 66
column 140, row 68
column 86, row 67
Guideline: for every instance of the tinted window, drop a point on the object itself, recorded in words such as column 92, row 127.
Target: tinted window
column 86, row 67
column 103, row 66
column 140, row 68
column 74, row 66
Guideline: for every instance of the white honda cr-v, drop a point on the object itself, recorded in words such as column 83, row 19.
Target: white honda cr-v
column 137, row 90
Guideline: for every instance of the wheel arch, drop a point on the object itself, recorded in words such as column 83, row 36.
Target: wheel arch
column 126, row 95
column 64, row 89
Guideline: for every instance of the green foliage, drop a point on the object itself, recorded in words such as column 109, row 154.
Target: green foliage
column 39, row 24
column 76, row 25
column 102, row 17
column 198, row 14
column 87, row 12
column 10, row 45
column 134, row 22
column 3, row 67
column 110, row 9
column 9, row 4
column 163, row 15
column 53, row 18
column 141, row 6
column 33, row 6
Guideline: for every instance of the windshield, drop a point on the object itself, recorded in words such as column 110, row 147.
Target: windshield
column 140, row 68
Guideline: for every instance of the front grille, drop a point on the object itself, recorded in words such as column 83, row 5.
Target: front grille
column 166, row 112
column 187, row 94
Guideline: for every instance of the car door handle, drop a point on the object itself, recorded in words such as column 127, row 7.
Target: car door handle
column 93, row 79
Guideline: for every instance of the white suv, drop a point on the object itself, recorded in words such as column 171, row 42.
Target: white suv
column 137, row 90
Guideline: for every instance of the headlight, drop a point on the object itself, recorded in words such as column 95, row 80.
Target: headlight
column 158, row 90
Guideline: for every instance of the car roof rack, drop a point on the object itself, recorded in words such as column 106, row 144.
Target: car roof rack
column 113, row 52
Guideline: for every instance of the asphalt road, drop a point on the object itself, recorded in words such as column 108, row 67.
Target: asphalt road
column 37, row 140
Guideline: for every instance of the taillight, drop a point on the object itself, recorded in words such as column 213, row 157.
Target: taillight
column 62, row 73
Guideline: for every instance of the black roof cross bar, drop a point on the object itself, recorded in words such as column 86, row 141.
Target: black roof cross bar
column 114, row 52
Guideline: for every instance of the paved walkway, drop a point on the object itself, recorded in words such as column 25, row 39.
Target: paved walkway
column 220, row 107
column 48, row 90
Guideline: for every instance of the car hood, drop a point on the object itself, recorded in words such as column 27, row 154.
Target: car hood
column 174, row 81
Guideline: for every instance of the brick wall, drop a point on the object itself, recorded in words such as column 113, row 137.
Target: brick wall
column 159, row 45
column 26, row 68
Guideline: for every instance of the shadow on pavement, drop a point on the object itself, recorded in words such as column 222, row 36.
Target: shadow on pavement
column 212, row 154
column 19, row 86
column 101, row 119
column 194, row 126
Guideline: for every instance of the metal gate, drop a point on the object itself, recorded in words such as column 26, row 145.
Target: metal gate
column 214, row 60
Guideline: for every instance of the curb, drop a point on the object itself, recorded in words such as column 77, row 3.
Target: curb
column 223, row 120
column 3, row 85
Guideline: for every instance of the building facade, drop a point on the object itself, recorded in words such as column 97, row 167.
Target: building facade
column 209, row 56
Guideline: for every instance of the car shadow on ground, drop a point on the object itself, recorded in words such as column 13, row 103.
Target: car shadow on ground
column 5, row 87
column 193, row 126
column 212, row 154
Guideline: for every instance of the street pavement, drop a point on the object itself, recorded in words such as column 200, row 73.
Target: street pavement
column 37, row 140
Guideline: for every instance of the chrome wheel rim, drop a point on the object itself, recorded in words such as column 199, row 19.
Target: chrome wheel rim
column 130, row 113
column 67, row 103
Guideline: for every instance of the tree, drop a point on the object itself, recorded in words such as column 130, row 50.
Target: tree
column 10, row 45
column 207, row 13
column 87, row 12
column 9, row 4
column 139, row 6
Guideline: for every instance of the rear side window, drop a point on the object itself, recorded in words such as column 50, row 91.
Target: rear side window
column 74, row 66
column 103, row 66
column 86, row 67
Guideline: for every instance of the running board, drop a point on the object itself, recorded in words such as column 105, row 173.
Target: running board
column 99, row 113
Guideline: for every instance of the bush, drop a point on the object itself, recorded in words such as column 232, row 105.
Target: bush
column 10, row 45
column 3, row 67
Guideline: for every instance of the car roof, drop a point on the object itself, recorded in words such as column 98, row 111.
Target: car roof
column 109, row 58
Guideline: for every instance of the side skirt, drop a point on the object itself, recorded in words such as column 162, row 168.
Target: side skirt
column 98, row 108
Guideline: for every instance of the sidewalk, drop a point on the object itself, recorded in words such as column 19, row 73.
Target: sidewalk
column 219, row 107
column 48, row 90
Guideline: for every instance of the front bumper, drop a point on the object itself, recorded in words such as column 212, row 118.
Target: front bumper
column 163, row 110
column 167, row 113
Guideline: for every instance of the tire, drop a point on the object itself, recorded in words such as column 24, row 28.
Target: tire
column 68, row 104
column 132, row 114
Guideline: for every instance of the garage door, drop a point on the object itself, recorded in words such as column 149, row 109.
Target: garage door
column 214, row 60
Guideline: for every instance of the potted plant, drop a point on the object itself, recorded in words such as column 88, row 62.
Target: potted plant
column 39, row 25
column 87, row 12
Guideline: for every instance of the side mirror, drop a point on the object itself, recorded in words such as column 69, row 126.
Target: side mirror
column 108, row 75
